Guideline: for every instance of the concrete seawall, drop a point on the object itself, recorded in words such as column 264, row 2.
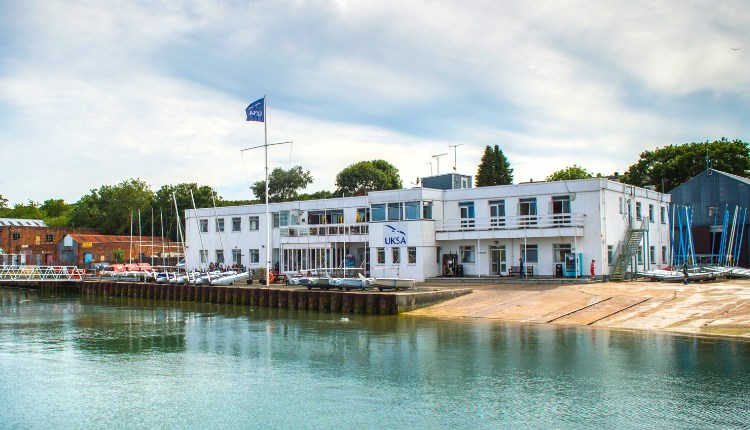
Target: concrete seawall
column 347, row 302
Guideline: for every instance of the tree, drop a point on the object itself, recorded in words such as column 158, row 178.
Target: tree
column 29, row 210
column 668, row 167
column 569, row 173
column 494, row 169
column 57, row 212
column 204, row 197
column 374, row 175
column 283, row 185
column 110, row 207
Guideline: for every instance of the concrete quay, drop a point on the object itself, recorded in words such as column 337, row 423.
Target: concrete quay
column 700, row 308
column 286, row 297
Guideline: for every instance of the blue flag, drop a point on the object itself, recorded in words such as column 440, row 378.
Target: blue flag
column 256, row 111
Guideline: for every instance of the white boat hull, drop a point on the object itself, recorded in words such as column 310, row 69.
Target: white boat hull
column 394, row 283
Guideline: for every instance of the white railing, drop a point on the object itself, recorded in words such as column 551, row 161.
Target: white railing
column 324, row 230
column 37, row 273
column 511, row 222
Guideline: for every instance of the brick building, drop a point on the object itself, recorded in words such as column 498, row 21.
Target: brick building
column 85, row 250
column 33, row 239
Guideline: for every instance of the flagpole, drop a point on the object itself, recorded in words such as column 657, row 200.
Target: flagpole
column 268, row 220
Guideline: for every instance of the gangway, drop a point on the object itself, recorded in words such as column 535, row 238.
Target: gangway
column 40, row 273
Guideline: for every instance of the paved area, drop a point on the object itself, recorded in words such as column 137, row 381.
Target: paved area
column 708, row 308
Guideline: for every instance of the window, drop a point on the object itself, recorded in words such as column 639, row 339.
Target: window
column 464, row 182
column 610, row 254
column 335, row 216
column 276, row 220
column 531, row 252
column 254, row 256
column 497, row 213
column 561, row 209
column 394, row 211
column 412, row 254
column 284, row 218
column 427, row 210
column 236, row 224
column 204, row 225
column 411, row 210
column 219, row 224
column 363, row 215
column 466, row 212
column 254, row 222
column 652, row 254
column 378, row 212
column 639, row 255
column 467, row 254
column 651, row 214
column 527, row 211
column 663, row 254
column 16, row 236
column 713, row 211
column 381, row 255
column 316, row 217
column 396, row 255
column 559, row 250
column 638, row 211
column 204, row 256
column 663, row 215
column 439, row 251
column 219, row 256
column 50, row 238
column 236, row 257
column 622, row 206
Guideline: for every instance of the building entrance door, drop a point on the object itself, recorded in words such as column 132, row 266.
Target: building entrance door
column 497, row 260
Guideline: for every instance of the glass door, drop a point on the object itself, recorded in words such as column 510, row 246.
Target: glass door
column 497, row 260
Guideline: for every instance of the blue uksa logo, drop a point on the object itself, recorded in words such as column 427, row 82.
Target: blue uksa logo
column 394, row 236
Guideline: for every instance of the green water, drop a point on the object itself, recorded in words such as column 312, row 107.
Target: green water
column 74, row 363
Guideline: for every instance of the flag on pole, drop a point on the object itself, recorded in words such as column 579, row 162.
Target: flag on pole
column 256, row 111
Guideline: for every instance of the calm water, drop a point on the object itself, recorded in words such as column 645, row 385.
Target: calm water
column 73, row 363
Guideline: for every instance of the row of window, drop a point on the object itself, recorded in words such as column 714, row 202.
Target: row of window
column 253, row 221
column 639, row 254
column 236, row 256
column 48, row 238
column 625, row 206
column 401, row 211
column 411, row 255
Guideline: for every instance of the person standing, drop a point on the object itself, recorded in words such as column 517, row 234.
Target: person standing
column 686, row 278
column 592, row 268
column 521, row 271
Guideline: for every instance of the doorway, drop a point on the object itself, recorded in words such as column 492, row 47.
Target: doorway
column 497, row 260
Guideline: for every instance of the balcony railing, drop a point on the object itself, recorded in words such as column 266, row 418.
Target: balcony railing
column 511, row 222
column 324, row 230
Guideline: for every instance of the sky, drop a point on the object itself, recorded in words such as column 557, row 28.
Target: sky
column 96, row 92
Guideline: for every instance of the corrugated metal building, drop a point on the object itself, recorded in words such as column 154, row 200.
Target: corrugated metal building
column 710, row 194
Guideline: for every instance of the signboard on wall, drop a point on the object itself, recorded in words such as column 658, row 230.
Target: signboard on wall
column 86, row 245
column 393, row 235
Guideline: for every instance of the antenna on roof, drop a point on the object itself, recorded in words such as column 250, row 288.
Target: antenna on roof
column 455, row 153
column 437, row 158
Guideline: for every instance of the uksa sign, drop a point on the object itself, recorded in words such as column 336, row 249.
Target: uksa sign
column 393, row 236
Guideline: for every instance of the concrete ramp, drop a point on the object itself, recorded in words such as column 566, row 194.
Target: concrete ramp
column 601, row 310
column 568, row 309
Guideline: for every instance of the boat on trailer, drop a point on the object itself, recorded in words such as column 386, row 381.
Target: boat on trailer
column 394, row 283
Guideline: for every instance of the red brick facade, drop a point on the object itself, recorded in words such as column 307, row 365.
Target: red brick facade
column 38, row 243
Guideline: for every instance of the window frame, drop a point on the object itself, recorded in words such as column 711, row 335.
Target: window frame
column 466, row 254
column 254, row 220
column 237, row 222
column 411, row 255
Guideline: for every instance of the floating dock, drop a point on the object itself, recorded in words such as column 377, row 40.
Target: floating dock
column 285, row 297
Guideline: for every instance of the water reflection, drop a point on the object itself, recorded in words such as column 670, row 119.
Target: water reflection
column 415, row 372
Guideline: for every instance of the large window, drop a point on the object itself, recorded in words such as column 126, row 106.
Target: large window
column 561, row 209
column 236, row 224
column 276, row 219
column 466, row 212
column 381, row 255
column 236, row 256
column 219, row 224
column 497, row 213
column 467, row 254
column 394, row 211
column 254, row 256
column 335, row 216
column 396, row 255
column 411, row 210
column 527, row 211
column 412, row 254
column 663, row 214
column 559, row 250
column 378, row 212
column 651, row 214
column 316, row 217
column 219, row 256
column 254, row 223
column 531, row 252
column 363, row 215
column 204, row 225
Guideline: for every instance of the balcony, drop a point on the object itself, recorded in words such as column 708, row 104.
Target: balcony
column 511, row 226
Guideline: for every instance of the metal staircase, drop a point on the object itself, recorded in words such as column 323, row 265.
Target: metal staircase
column 626, row 251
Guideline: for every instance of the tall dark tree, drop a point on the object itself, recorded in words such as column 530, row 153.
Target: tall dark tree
column 494, row 169
column 666, row 168
column 373, row 175
column 110, row 207
column 283, row 185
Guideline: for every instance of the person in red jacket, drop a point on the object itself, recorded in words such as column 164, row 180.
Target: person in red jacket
column 592, row 267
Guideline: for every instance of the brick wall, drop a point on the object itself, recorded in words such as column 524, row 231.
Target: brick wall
column 35, row 240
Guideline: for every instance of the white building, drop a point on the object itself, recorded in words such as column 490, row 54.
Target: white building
column 420, row 232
